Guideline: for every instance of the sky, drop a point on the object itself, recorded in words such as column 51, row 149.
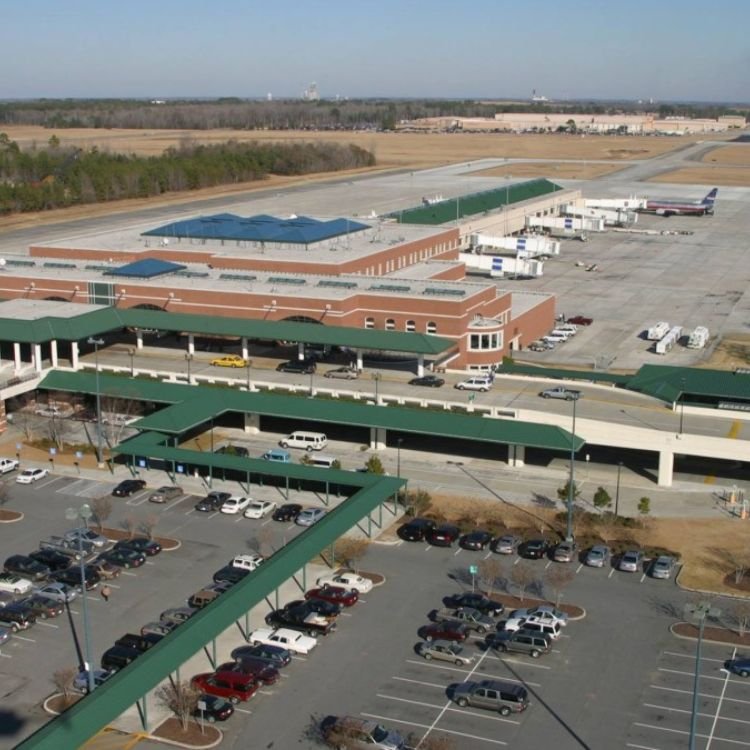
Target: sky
column 668, row 50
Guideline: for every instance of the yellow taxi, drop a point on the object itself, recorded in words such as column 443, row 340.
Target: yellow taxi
column 230, row 360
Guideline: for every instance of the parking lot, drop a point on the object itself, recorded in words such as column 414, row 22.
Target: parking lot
column 663, row 721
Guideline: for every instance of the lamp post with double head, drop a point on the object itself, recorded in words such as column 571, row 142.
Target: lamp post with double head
column 97, row 343
column 84, row 513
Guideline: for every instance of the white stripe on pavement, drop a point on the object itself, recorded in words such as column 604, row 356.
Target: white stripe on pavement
column 424, row 726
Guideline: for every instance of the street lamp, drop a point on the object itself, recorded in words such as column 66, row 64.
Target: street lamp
column 682, row 403
column 376, row 377
column 248, row 364
column 131, row 354
column 97, row 343
column 698, row 613
column 617, row 489
column 571, row 481
column 189, row 359
column 84, row 513
column 398, row 457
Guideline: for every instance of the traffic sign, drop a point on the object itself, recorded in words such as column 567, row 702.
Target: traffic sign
column 473, row 569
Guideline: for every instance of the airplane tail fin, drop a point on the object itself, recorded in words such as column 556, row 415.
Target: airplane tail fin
column 710, row 198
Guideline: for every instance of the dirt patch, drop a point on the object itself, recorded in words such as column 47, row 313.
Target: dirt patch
column 731, row 352
column 573, row 611
column 551, row 170
column 718, row 175
column 171, row 729
column 10, row 516
column 737, row 155
column 116, row 535
column 710, row 633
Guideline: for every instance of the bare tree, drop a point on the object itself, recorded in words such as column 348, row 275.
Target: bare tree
column 4, row 493
column 350, row 551
column 25, row 422
column 148, row 524
column 558, row 578
column 130, row 524
column 491, row 574
column 63, row 680
column 523, row 575
column 179, row 697
column 102, row 508
column 58, row 429
column 416, row 502
column 265, row 541
column 739, row 616
column 116, row 414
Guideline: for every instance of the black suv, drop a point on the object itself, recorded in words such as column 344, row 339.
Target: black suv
column 27, row 567
column 302, row 366
column 416, row 530
column 213, row 501
column 17, row 617
column 53, row 560
column 475, row 601
column 233, row 450
column 72, row 577
column 534, row 549
column 138, row 642
column 128, row 487
column 287, row 512
column 118, row 657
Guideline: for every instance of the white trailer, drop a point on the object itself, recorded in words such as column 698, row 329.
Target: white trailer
column 632, row 203
column 531, row 246
column 698, row 338
column 613, row 217
column 657, row 331
column 565, row 224
column 503, row 266
column 672, row 337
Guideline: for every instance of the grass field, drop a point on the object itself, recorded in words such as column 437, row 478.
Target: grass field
column 721, row 174
column 553, row 170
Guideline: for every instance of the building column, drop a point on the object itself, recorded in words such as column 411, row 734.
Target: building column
column 252, row 423
column 138, row 340
column 516, row 455
column 36, row 356
column 17, row 355
column 359, row 360
column 300, row 350
column 420, row 365
column 244, row 347
column 3, row 418
column 191, row 343
column 377, row 438
column 666, row 467
column 53, row 352
column 74, row 354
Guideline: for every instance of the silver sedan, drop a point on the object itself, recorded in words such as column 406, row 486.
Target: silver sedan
column 444, row 651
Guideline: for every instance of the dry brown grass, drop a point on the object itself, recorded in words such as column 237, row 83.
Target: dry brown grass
column 727, row 175
column 736, row 154
column 732, row 351
column 552, row 170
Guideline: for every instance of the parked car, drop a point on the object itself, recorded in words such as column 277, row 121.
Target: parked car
column 8, row 465
column 231, row 574
column 124, row 557
column 106, row 570
column 343, row 373
column 72, row 576
column 229, row 360
column 443, row 535
column 662, row 567
column 472, row 618
column 235, row 504
column 276, row 655
column 506, row 545
column 43, row 607
column 81, row 680
column 162, row 628
column 260, row 508
column 139, row 642
column 299, row 366
column 292, row 640
column 309, row 516
column 178, row 614
column 598, row 556
column 543, row 613
column 416, row 530
column 61, row 592
column 476, row 383
column 349, row 580
column 475, row 540
column 261, row 671
column 287, row 512
column 428, row 381
column 14, row 583
column 504, row 697
column 128, row 487
column 534, row 549
column 450, row 630
column 739, row 666
column 89, row 536
column 475, row 600
column 247, row 562
column 334, row 594
column 148, row 547
column 319, row 606
column 118, row 657
column 520, row 641
column 212, row 502
column 6, row 598
column 16, row 617
column 565, row 552
column 580, row 320
column 165, row 494
column 353, row 732
column 444, row 651
column 27, row 567
column 566, row 394
column 234, row 688
column 552, row 630
column 631, row 561
column 28, row 476
column 212, row 708
column 233, row 450
column 52, row 559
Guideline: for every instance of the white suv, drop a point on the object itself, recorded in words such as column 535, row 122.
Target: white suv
column 476, row 383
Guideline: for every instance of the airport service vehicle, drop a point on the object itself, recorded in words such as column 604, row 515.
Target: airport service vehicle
column 28, row 476
column 682, row 208
column 657, row 331
column 347, row 579
column 472, row 618
column 567, row 394
column 291, row 640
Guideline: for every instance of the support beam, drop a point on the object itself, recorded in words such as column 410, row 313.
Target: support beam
column 17, row 355
column 252, row 423
column 244, row 347
column 36, row 356
column 359, row 359
column 420, row 365
column 516, row 455
column 300, row 350
column 191, row 343
column 377, row 438
column 666, row 468
column 53, row 352
column 138, row 340
column 74, row 354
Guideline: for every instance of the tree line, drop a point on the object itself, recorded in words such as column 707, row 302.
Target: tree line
column 295, row 114
column 55, row 177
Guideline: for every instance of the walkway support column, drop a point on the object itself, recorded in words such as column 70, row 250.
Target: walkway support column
column 139, row 339
column 377, row 438
column 36, row 356
column 244, row 347
column 666, row 468
column 16, row 355
column 359, row 359
column 300, row 350
column 191, row 343
column 53, row 352
column 516, row 455
column 420, row 365
column 252, row 424
column 74, row 354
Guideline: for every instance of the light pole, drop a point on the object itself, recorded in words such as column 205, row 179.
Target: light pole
column 571, row 481
column 84, row 513
column 97, row 343
column 682, row 404
column 398, row 457
column 131, row 354
column 617, row 489
column 248, row 364
column 698, row 613
column 189, row 359
column 312, row 387
column 376, row 377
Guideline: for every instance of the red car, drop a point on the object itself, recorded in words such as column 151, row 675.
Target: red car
column 259, row 670
column 233, row 686
column 444, row 631
column 580, row 320
column 334, row 594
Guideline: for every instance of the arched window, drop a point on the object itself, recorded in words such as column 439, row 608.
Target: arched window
column 390, row 324
column 411, row 325
column 369, row 322
column 432, row 327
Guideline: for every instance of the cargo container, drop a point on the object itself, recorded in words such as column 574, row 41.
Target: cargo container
column 698, row 338
column 657, row 331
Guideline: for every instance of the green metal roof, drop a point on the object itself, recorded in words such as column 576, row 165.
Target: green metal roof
column 475, row 203
column 111, row 318
column 668, row 383
column 513, row 368
column 195, row 404
column 93, row 712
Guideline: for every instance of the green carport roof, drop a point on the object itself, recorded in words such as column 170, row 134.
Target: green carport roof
column 110, row 318
column 194, row 405
column 669, row 383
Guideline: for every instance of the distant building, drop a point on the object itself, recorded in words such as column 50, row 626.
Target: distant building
column 310, row 94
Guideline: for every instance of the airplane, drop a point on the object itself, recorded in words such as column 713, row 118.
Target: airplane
column 680, row 208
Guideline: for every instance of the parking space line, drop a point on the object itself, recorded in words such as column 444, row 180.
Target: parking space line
column 518, row 661
column 192, row 510
column 692, row 657
column 688, row 711
column 114, row 586
column 549, row 562
column 48, row 482
column 701, row 695
column 47, row 624
column 242, row 710
column 487, row 556
column 22, row 638
column 267, row 521
column 176, row 502
column 643, row 578
column 718, row 708
column 430, row 665
column 689, row 674
column 611, row 573
column 419, row 682
column 579, row 568
column 128, row 573
column 137, row 499
column 697, row 734
column 428, row 548
column 448, row 707
column 641, row 747
column 424, row 726
column 5, row 656
column 456, row 552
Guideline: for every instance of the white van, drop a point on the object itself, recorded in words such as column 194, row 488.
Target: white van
column 325, row 462
column 554, row 338
column 563, row 332
column 309, row 441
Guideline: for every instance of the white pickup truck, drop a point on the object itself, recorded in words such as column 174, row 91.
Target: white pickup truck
column 8, row 464
column 567, row 394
